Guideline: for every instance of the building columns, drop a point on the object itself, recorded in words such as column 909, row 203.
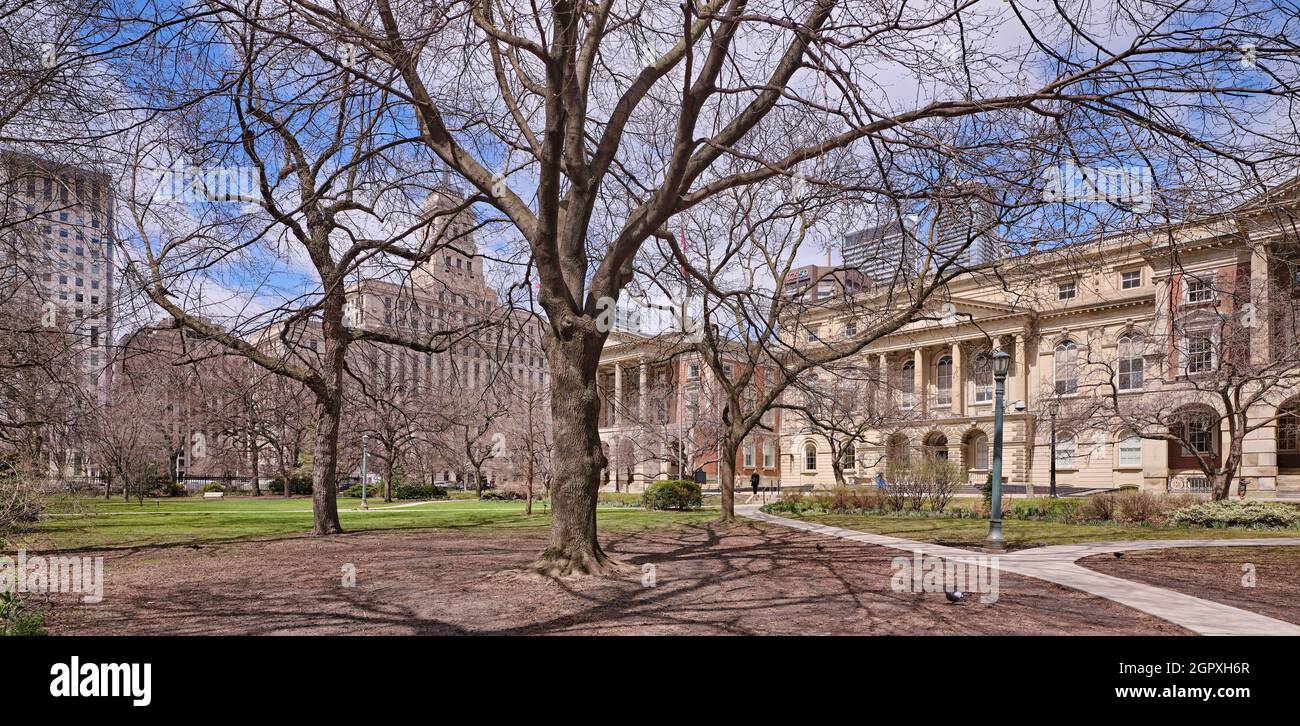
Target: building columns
column 1020, row 372
column 617, row 418
column 882, row 390
column 958, row 382
column 642, row 385
column 918, row 380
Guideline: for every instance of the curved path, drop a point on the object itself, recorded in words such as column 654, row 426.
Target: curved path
column 1056, row 564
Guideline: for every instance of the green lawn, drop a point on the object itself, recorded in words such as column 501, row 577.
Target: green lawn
column 1021, row 534
column 96, row 523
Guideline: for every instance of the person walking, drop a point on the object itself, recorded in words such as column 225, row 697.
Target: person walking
column 753, row 484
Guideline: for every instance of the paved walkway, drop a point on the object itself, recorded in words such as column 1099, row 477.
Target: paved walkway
column 1057, row 565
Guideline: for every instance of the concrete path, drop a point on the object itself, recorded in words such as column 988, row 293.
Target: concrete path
column 1057, row 565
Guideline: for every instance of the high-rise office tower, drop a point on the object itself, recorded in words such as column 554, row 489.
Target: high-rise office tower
column 965, row 232
column 883, row 253
column 56, row 221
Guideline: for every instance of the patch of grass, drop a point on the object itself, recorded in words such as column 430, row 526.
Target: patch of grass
column 1021, row 534
column 95, row 523
column 16, row 618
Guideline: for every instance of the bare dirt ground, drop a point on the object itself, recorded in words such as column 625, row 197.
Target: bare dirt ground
column 741, row 579
column 1215, row 573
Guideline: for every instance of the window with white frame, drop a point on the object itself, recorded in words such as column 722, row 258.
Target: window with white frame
column 907, row 384
column 851, row 328
column 1067, row 290
column 979, row 451
column 1198, row 352
column 1130, row 279
column 769, row 454
column 1196, row 431
column 1130, row 451
column 693, row 371
column 1130, row 364
column 749, row 455
column 810, row 457
column 1065, row 452
column 849, row 456
column 1198, row 289
column 983, row 375
column 943, row 381
column 1065, row 361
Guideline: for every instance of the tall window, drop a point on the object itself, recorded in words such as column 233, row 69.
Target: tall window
column 810, row 457
column 1065, row 452
column 749, row 455
column 907, row 384
column 849, row 456
column 1130, row 363
column 983, row 375
column 769, row 454
column 1200, row 352
column 1066, row 363
column 943, row 381
column 979, row 451
column 1197, row 433
column 1288, row 431
column 1130, row 450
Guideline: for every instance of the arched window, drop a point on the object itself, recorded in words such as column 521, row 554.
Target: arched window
column 849, row 456
column 1130, row 451
column 983, row 375
column 810, row 457
column 1065, row 452
column 936, row 446
column 1066, row 363
column 979, row 451
column 1130, row 363
column 943, row 381
column 907, row 384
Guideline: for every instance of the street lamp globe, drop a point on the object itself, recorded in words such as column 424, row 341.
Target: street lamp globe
column 1053, row 408
column 1001, row 364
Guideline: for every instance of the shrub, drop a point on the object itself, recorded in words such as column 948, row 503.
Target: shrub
column 673, row 494
column 502, row 495
column 18, row 619
column 297, row 485
column 20, row 505
column 1238, row 514
column 1046, row 510
column 1099, row 508
column 1137, row 506
column 176, row 489
column 354, row 490
column 419, row 491
column 213, row 487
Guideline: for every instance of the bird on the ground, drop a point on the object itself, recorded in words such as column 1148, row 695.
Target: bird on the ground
column 1119, row 555
column 820, row 547
column 195, row 547
column 954, row 596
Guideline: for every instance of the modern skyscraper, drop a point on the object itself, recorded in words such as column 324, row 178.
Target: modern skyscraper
column 883, row 253
column 964, row 232
column 56, row 221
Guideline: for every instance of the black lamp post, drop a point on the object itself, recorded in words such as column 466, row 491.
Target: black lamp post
column 1053, row 408
column 1001, row 365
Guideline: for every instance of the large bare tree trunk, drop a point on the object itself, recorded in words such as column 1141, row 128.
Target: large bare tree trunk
column 257, row 472
column 575, row 407
column 727, row 478
column 329, row 403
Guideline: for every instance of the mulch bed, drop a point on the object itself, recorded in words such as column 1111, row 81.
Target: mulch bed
column 745, row 578
column 1215, row 573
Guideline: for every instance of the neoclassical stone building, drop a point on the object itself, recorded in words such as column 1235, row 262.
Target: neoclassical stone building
column 1133, row 338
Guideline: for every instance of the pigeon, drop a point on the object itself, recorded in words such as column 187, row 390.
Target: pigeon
column 1119, row 555
column 820, row 547
column 194, row 547
column 954, row 596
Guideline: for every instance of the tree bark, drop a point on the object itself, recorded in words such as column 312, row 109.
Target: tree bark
column 727, row 478
column 578, row 459
column 329, row 402
column 257, row 472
